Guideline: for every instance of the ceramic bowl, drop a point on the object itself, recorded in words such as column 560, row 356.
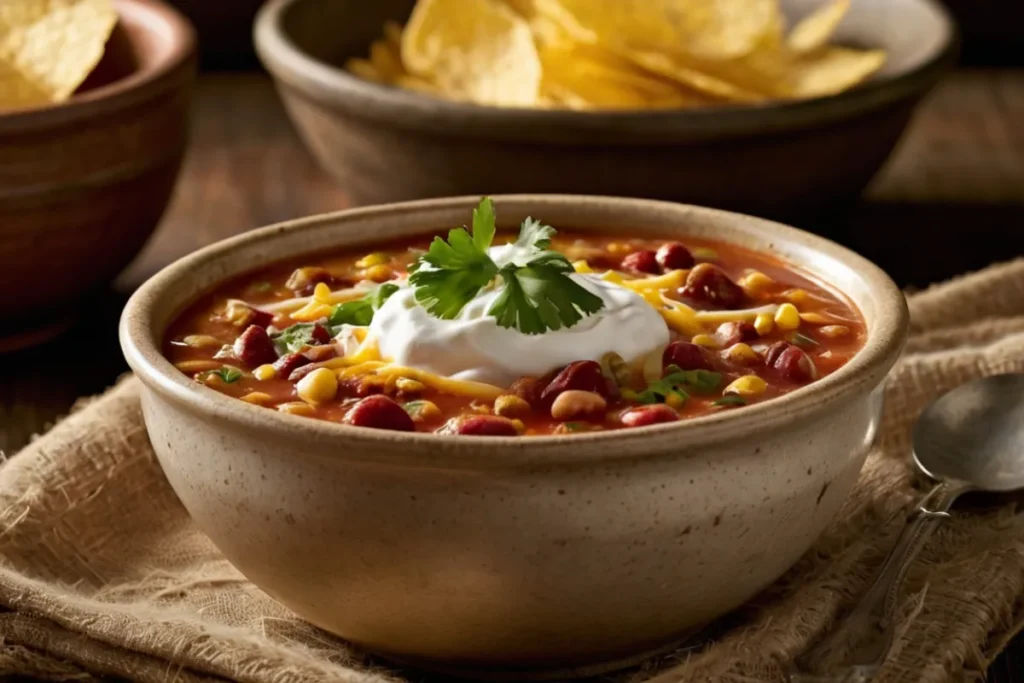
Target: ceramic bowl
column 513, row 556
column 84, row 183
column 781, row 160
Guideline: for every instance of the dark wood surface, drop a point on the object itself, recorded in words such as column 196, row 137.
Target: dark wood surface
column 951, row 200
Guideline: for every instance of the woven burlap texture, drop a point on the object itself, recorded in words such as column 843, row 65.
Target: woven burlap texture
column 103, row 573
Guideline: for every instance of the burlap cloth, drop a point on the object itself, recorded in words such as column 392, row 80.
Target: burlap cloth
column 103, row 573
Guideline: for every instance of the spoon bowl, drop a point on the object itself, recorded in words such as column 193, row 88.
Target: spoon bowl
column 974, row 435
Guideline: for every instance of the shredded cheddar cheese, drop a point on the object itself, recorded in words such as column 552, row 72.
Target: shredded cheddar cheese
column 673, row 279
column 448, row 385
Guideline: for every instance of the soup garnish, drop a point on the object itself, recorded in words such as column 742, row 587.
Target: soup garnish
column 540, row 332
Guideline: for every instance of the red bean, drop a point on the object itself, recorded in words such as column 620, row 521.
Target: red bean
column 707, row 284
column 320, row 335
column 674, row 256
column 530, row 388
column 261, row 318
column 686, row 355
column 356, row 386
column 482, row 425
column 285, row 365
column 253, row 347
column 642, row 261
column 734, row 333
column 648, row 415
column 380, row 412
column 582, row 375
column 791, row 362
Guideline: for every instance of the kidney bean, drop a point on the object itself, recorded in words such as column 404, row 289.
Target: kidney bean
column 734, row 333
column 261, row 318
column 642, row 261
column 253, row 347
column 576, row 405
column 686, row 355
column 529, row 389
column 791, row 362
column 356, row 386
column 380, row 412
column 582, row 375
column 706, row 283
column 482, row 425
column 648, row 415
column 285, row 365
column 320, row 335
column 674, row 256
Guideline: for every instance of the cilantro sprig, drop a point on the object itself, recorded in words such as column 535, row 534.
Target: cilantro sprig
column 534, row 297
column 677, row 383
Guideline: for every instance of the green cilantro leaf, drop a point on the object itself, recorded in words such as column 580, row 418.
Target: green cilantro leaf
column 533, row 233
column 228, row 373
column 360, row 312
column 459, row 270
column 730, row 400
column 484, row 223
column 673, row 383
column 541, row 296
column 294, row 338
column 803, row 340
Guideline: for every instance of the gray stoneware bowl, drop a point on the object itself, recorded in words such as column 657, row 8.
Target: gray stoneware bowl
column 783, row 159
column 513, row 556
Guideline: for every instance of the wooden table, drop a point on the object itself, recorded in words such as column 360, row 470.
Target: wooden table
column 951, row 200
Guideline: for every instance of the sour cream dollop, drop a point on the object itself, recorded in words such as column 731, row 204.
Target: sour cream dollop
column 473, row 347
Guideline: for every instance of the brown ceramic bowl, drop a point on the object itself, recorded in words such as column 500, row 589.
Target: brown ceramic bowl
column 511, row 557
column 85, row 182
column 786, row 159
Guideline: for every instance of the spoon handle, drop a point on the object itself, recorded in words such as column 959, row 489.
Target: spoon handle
column 857, row 648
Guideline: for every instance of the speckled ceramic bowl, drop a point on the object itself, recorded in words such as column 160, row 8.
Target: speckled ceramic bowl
column 513, row 556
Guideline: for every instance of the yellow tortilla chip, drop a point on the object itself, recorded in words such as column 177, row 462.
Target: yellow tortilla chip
column 481, row 50
column 386, row 60
column 50, row 47
column 815, row 30
column 709, row 29
column 836, row 69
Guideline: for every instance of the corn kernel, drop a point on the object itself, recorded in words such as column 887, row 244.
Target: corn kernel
column 509, row 405
column 264, row 372
column 375, row 259
column 201, row 341
column 756, row 283
column 258, row 398
column 518, row 424
column 741, row 353
column 582, row 266
column 296, row 408
column 422, row 411
column 322, row 293
column 314, row 310
column 619, row 248
column 674, row 400
column 834, row 331
column 763, row 323
column 815, row 318
column 409, row 386
column 787, row 317
column 748, row 385
column 705, row 340
column 318, row 386
column 797, row 296
column 378, row 273
column 189, row 366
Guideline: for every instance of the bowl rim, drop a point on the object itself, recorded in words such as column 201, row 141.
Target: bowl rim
column 142, row 349
column 150, row 14
column 323, row 82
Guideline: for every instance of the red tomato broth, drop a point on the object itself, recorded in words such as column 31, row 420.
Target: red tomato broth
column 267, row 286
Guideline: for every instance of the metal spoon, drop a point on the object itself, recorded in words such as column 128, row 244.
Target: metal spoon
column 970, row 439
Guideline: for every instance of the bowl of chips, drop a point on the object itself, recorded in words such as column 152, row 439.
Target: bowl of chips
column 775, row 107
column 94, row 104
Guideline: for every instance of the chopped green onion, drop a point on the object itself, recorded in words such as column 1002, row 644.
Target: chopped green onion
column 730, row 400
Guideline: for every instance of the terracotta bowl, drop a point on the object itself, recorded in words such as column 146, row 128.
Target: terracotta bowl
column 84, row 183
column 792, row 160
column 507, row 557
